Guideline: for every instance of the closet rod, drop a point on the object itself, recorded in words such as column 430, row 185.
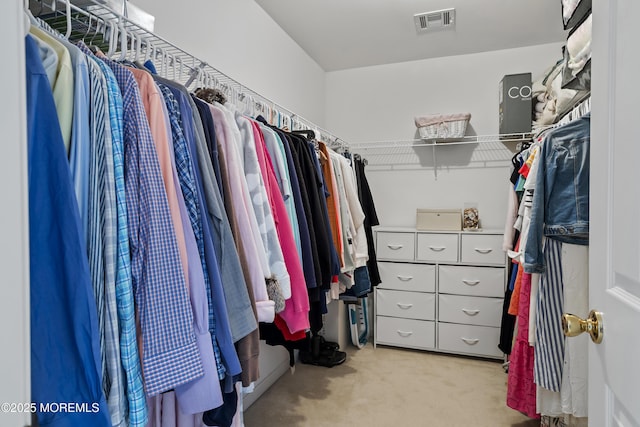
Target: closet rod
column 175, row 60
column 442, row 142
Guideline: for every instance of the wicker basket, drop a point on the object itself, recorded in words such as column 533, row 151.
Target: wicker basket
column 443, row 125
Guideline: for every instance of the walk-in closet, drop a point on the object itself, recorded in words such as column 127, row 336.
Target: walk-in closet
column 255, row 213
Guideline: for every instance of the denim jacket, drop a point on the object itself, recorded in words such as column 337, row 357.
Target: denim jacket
column 561, row 197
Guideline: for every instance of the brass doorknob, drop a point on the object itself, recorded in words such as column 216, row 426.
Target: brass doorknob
column 573, row 325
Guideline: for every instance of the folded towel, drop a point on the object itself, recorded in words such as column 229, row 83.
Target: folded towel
column 579, row 46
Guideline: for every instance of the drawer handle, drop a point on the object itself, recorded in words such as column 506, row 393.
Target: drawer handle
column 470, row 282
column 404, row 333
column 483, row 251
column 395, row 247
column 470, row 341
column 437, row 248
column 470, row 312
column 405, row 278
column 404, row 306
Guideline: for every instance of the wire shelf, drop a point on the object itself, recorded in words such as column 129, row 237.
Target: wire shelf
column 122, row 39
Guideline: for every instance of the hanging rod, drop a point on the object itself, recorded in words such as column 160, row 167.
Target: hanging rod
column 443, row 142
column 175, row 63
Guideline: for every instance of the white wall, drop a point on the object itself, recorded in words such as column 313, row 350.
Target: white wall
column 379, row 103
column 14, row 249
column 238, row 38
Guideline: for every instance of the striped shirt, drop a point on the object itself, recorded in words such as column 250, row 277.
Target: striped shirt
column 102, row 243
column 137, row 411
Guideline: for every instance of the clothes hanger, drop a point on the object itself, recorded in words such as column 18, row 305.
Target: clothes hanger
column 163, row 63
column 123, row 42
column 113, row 37
column 147, row 51
column 89, row 26
column 137, row 49
column 307, row 132
column 174, row 71
column 68, row 16
column 180, row 69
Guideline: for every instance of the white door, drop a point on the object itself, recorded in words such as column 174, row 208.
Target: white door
column 614, row 274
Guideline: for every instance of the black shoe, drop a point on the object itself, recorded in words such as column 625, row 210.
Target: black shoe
column 328, row 345
column 327, row 359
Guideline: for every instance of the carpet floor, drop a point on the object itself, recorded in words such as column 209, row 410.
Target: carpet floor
column 390, row 387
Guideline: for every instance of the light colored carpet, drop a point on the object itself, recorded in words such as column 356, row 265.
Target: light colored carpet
column 390, row 387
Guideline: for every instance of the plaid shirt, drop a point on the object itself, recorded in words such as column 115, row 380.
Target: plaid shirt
column 170, row 356
column 184, row 168
column 130, row 358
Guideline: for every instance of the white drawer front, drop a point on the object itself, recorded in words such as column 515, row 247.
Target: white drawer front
column 437, row 247
column 479, row 281
column 479, row 340
column 483, row 248
column 405, row 332
column 407, row 277
column 398, row 246
column 410, row 305
column 479, row 311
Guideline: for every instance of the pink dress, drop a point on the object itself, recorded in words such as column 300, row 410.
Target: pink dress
column 521, row 390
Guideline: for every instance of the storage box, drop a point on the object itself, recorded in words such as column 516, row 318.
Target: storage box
column 438, row 220
column 436, row 126
column 515, row 103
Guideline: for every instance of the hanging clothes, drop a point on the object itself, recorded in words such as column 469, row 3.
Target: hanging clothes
column 187, row 212
column 521, row 390
column 64, row 324
column 370, row 219
column 166, row 323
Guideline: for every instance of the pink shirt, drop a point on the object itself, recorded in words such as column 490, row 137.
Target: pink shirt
column 152, row 101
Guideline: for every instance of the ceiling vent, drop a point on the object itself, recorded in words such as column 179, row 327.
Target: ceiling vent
column 436, row 20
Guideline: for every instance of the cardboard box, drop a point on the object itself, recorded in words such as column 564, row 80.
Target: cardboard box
column 515, row 103
column 438, row 220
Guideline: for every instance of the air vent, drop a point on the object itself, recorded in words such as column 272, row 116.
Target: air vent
column 435, row 20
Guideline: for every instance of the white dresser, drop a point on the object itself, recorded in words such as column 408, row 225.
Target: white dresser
column 440, row 291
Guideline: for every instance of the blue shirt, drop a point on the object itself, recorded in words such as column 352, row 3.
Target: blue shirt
column 129, row 356
column 96, row 214
column 170, row 356
column 184, row 169
column 102, row 242
column 79, row 153
column 65, row 350
column 218, row 296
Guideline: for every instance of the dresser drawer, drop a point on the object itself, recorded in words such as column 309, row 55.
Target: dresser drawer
column 479, row 311
column 405, row 332
column 407, row 277
column 483, row 249
column 410, row 305
column 478, row 340
column 398, row 246
column 437, row 247
column 463, row 280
